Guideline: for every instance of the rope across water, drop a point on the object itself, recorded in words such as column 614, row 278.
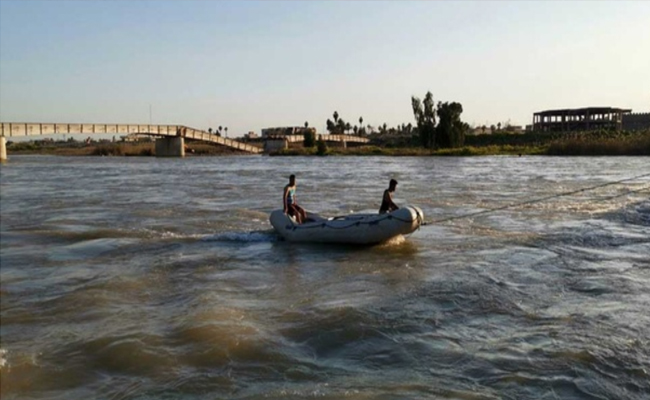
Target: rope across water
column 546, row 198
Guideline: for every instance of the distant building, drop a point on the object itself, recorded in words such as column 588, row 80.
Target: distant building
column 514, row 129
column 636, row 121
column 286, row 130
column 579, row 119
column 251, row 135
column 487, row 130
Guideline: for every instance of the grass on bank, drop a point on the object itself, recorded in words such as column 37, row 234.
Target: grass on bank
column 638, row 145
column 416, row 151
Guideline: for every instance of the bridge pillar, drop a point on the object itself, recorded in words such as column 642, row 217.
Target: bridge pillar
column 3, row 149
column 271, row 145
column 170, row 147
column 344, row 143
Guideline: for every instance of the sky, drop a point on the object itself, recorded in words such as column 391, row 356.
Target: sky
column 250, row 64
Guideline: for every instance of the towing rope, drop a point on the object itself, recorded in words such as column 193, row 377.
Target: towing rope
column 539, row 200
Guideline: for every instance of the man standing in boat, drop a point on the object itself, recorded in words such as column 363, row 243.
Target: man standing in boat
column 387, row 204
column 291, row 206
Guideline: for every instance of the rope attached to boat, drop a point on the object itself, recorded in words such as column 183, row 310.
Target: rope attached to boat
column 541, row 199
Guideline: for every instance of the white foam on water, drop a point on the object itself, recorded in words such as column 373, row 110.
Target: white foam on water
column 3, row 360
column 244, row 237
column 176, row 235
column 394, row 241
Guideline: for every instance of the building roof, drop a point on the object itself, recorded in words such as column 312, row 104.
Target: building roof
column 581, row 111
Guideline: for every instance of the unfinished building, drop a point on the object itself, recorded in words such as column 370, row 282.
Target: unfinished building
column 579, row 119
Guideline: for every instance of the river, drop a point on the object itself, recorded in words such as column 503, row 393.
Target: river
column 147, row 278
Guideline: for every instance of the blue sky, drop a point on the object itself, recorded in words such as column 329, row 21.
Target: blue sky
column 253, row 64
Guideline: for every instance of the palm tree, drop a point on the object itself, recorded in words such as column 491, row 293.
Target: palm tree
column 226, row 129
column 360, row 121
column 336, row 117
column 331, row 127
column 210, row 131
column 220, row 128
column 306, row 124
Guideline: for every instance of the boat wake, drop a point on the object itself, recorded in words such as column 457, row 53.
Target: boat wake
column 268, row 235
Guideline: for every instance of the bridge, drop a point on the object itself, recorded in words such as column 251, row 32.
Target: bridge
column 277, row 142
column 171, row 142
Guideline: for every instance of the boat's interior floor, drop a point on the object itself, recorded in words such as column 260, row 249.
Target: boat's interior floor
column 311, row 217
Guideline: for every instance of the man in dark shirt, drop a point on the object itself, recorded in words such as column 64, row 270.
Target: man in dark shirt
column 387, row 204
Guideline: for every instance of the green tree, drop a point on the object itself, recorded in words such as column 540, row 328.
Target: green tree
column 321, row 147
column 340, row 126
column 425, row 118
column 331, row 127
column 309, row 138
column 450, row 131
column 336, row 117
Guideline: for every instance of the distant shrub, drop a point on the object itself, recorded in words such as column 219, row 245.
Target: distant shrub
column 146, row 152
column 294, row 151
column 607, row 144
column 24, row 146
column 108, row 150
column 309, row 139
column 321, row 148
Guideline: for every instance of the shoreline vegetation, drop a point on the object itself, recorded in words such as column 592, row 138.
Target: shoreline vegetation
column 438, row 131
column 595, row 143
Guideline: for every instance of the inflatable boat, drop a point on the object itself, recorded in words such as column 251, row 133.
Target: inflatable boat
column 352, row 228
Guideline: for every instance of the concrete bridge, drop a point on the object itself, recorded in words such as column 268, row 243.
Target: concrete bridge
column 171, row 142
column 278, row 142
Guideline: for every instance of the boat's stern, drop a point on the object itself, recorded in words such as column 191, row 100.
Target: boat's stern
column 281, row 222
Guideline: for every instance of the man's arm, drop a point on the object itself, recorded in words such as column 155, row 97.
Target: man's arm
column 392, row 204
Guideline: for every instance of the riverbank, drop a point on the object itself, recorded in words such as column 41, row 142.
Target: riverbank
column 129, row 149
column 597, row 143
column 633, row 145
column 416, row 151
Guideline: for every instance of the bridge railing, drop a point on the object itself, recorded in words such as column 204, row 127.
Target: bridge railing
column 11, row 129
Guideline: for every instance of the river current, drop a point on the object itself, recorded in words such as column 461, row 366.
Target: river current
column 146, row 278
